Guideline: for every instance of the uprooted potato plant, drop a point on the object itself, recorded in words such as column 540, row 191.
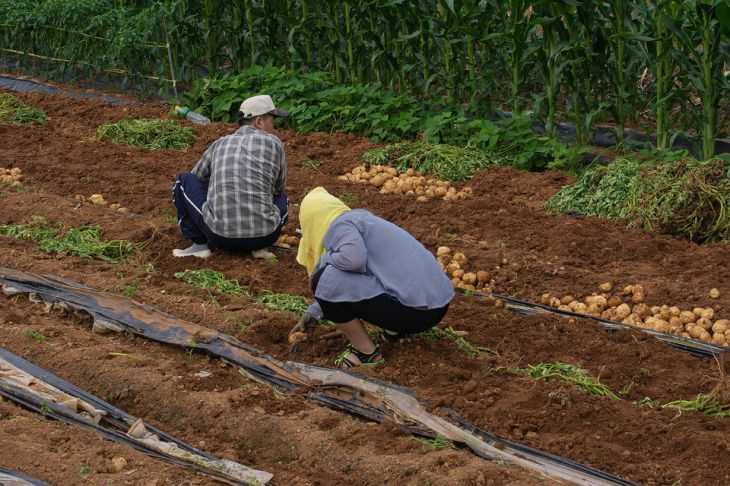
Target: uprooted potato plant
column 686, row 197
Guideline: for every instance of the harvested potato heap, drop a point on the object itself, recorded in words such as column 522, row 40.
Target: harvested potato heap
column 286, row 241
column 98, row 200
column 628, row 306
column 11, row 177
column 454, row 264
column 410, row 183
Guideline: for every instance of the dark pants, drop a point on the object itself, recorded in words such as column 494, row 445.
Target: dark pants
column 385, row 312
column 189, row 193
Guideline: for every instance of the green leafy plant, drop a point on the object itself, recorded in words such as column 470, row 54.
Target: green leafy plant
column 449, row 333
column 706, row 404
column 15, row 112
column 311, row 164
column 436, row 444
column 210, row 280
column 35, row 335
column 283, row 302
column 151, row 134
column 571, row 374
column 84, row 242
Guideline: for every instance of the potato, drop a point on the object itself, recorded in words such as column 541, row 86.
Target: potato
column 655, row 309
column 642, row 310
column 115, row 206
column 614, row 301
column 482, row 276
column 628, row 290
column 97, row 199
column 665, row 314
column 470, row 278
column 429, row 193
column 674, row 311
column 608, row 314
column 439, row 191
column 292, row 240
column 442, row 251
column 705, row 324
column 698, row 311
column 708, row 313
column 460, row 258
column 675, row 321
column 598, row 300
column 581, row 308
column 719, row 340
column 696, row 331
column 392, row 171
column 606, row 287
column 452, row 266
column 410, row 193
column 705, row 336
column 594, row 309
column 565, row 308
column 554, row 302
column 545, row 298
column 343, row 178
column 377, row 181
column 687, row 317
column 721, row 325
column 458, row 273
column 714, row 293
column 685, row 335
column 422, row 199
column 573, row 304
column 622, row 311
column 661, row 325
column 638, row 294
column 567, row 299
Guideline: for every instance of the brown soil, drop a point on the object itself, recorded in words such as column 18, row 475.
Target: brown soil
column 303, row 444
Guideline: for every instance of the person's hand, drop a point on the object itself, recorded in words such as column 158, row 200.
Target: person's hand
column 306, row 323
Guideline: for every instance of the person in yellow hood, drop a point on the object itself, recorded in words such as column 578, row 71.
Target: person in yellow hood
column 362, row 267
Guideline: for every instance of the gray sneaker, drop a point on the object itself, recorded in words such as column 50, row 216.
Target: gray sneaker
column 195, row 250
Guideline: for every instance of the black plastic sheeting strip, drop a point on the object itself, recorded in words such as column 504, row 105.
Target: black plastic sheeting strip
column 22, row 477
column 32, row 86
column 116, row 417
column 168, row 329
column 693, row 346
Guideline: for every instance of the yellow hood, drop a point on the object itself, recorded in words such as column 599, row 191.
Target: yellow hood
column 317, row 211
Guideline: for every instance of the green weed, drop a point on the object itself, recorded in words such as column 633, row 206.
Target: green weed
column 35, row 335
column 84, row 471
column 436, row 444
column 349, row 199
column 706, row 404
column 151, row 134
column 436, row 333
column 283, row 302
column 311, row 164
column 210, row 280
column 15, row 112
column 84, row 242
column 570, row 373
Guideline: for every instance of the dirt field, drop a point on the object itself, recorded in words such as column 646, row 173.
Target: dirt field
column 502, row 229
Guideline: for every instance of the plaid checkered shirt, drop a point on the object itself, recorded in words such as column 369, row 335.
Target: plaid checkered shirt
column 243, row 171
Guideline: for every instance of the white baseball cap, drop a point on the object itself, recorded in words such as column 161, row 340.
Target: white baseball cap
column 260, row 105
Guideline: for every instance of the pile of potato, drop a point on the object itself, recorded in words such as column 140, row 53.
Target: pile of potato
column 455, row 266
column 628, row 306
column 11, row 177
column 286, row 241
column 410, row 183
column 98, row 200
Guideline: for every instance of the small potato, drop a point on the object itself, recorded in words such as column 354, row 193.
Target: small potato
column 469, row 278
column 696, row 331
column 705, row 324
column 565, row 308
column 469, row 287
column 460, row 258
column 439, row 191
column 708, row 313
column 655, row 309
column 292, row 240
column 719, row 340
column 545, row 298
column 675, row 322
column 606, row 287
column 705, row 336
column 555, row 302
column 614, row 301
column 661, row 325
column 567, row 299
column 581, row 308
column 482, row 276
column 721, row 325
column 687, row 316
column 622, row 311
column 698, row 311
column 377, row 181
column 452, row 266
column 573, row 304
column 456, row 282
column 642, row 310
column 343, row 178
column 458, row 273
column 674, row 311
column 597, row 300
column 608, row 314
column 422, row 199
column 638, row 294
column 97, row 199
column 595, row 309
column 443, row 250
column 628, row 290
column 714, row 293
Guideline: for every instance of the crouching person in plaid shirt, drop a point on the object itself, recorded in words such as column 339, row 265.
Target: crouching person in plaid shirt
column 235, row 196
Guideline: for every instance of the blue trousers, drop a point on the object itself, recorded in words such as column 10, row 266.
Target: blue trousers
column 189, row 193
